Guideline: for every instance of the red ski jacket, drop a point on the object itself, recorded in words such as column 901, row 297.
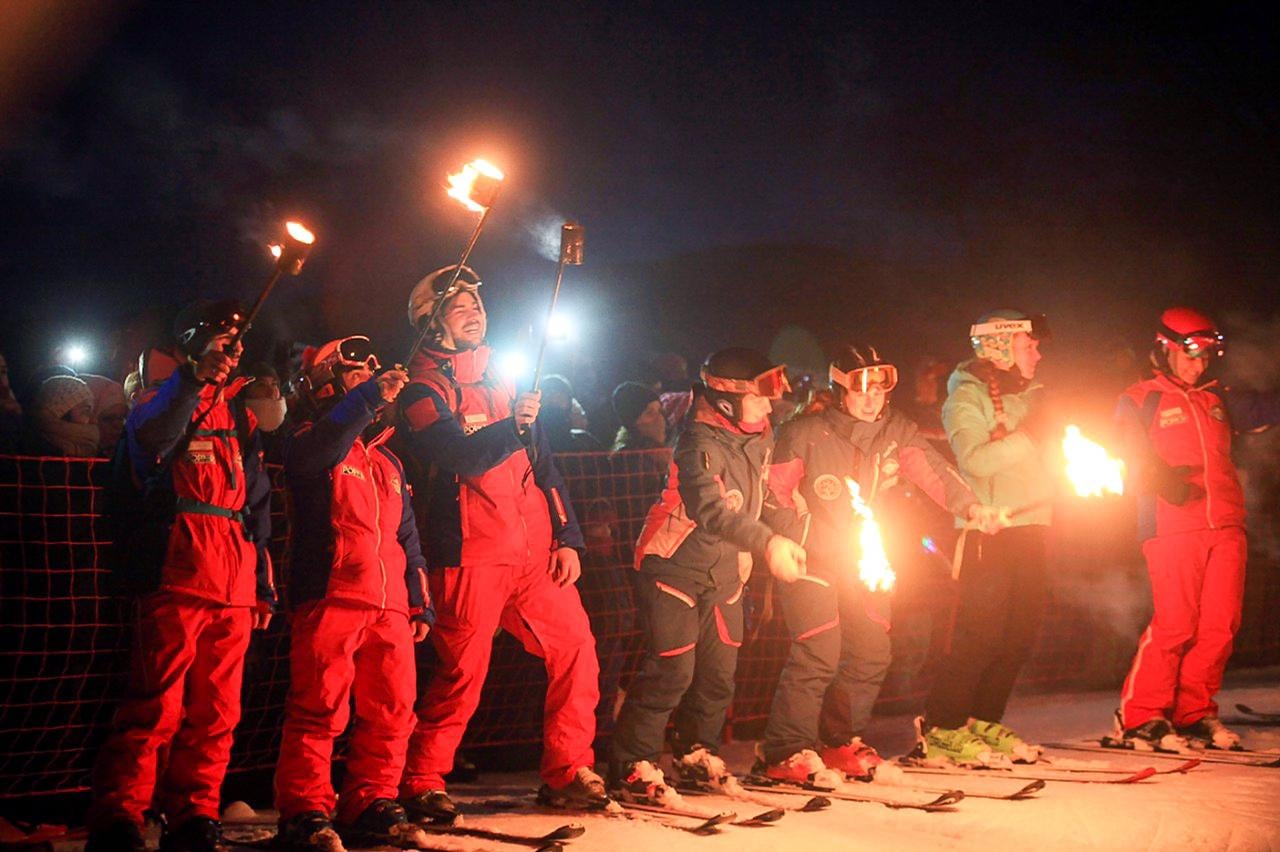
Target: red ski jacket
column 220, row 497
column 1179, row 435
column 487, row 502
column 352, row 531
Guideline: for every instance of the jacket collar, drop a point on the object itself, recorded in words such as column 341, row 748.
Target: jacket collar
column 466, row 367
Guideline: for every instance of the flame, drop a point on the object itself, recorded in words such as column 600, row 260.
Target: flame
column 462, row 184
column 873, row 563
column 299, row 233
column 276, row 250
column 1091, row 470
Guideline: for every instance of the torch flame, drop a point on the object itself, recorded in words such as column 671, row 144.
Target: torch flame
column 299, row 233
column 462, row 184
column 1091, row 470
column 276, row 250
column 873, row 563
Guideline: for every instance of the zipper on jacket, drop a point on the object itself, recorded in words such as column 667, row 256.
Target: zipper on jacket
column 377, row 520
column 1204, row 457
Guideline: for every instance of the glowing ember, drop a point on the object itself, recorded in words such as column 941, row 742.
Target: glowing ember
column 873, row 564
column 1091, row 470
column 476, row 185
column 299, row 233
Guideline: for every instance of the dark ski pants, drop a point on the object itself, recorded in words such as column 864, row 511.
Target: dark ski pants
column 1003, row 589
column 838, row 659
column 692, row 631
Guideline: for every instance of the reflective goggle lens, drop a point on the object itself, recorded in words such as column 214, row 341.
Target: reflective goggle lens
column 773, row 384
column 357, row 352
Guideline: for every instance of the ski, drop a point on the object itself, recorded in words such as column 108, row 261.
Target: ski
column 709, row 822
column 1225, row 758
column 1027, row 791
column 737, row 793
column 1262, row 716
column 767, row 785
column 992, row 772
column 569, row 831
column 1180, row 769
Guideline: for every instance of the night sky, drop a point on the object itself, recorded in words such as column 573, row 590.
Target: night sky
column 850, row 171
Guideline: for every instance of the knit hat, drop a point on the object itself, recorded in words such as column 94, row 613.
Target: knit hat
column 60, row 394
column 630, row 399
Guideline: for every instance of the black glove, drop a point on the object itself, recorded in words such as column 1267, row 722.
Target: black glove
column 1174, row 485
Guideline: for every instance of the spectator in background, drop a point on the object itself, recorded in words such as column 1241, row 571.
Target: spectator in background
column 640, row 413
column 132, row 386
column 264, row 399
column 10, row 413
column 110, row 407
column 62, row 419
column 565, row 426
column 675, row 390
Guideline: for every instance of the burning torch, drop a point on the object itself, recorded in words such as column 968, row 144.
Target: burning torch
column 572, row 239
column 873, row 563
column 476, row 187
column 290, row 255
column 1091, row 470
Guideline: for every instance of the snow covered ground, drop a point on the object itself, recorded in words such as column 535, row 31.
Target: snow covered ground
column 1213, row 807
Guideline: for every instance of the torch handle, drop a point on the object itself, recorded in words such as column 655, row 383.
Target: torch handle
column 257, row 306
column 453, row 280
column 546, row 328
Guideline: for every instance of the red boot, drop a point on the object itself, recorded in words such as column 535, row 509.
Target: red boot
column 856, row 759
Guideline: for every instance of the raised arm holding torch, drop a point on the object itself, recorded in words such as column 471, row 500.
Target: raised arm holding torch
column 572, row 239
column 476, row 187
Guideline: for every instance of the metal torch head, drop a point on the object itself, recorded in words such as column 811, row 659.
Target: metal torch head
column 572, row 238
column 292, row 253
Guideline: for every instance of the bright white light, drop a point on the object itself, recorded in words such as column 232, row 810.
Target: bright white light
column 75, row 354
column 513, row 365
column 562, row 328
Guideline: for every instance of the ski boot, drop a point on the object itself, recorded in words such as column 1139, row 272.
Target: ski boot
column 803, row 767
column 309, row 831
column 953, row 745
column 1209, row 732
column 1157, row 733
column 198, row 834
column 585, row 791
column 120, row 836
column 1003, row 740
column 430, row 807
column 642, row 783
column 856, row 759
column 386, row 823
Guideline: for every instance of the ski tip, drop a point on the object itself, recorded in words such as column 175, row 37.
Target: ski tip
column 772, row 815
column 1034, row 787
column 1141, row 775
column 817, row 803
column 1245, row 708
column 551, row 847
column 566, row 832
column 1189, row 765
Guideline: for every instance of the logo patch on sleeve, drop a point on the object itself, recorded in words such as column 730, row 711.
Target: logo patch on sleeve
column 348, row 470
column 395, row 483
column 472, row 423
column 734, row 500
column 828, row 487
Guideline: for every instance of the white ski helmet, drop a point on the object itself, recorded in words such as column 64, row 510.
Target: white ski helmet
column 429, row 291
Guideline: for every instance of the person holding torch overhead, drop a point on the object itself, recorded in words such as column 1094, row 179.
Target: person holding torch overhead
column 694, row 556
column 503, row 550
column 839, row 626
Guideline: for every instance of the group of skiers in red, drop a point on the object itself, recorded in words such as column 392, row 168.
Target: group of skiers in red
column 502, row 548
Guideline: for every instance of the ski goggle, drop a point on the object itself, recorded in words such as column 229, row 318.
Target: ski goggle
column 1207, row 343
column 861, row 380
column 771, row 384
column 355, row 352
column 1036, row 325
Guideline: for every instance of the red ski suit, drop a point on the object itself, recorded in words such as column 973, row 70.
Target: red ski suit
column 192, row 631
column 493, row 521
column 352, row 593
column 1191, row 520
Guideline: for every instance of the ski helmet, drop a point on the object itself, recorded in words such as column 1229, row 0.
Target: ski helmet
column 201, row 321
column 992, row 335
column 428, row 292
column 1189, row 330
column 322, row 367
column 858, row 367
column 732, row 373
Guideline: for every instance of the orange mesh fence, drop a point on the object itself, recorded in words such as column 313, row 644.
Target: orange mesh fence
column 64, row 644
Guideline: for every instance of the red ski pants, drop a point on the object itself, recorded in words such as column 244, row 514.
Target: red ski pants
column 1197, row 585
column 184, row 691
column 337, row 649
column 471, row 603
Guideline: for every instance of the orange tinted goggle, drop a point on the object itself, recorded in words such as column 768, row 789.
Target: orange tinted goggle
column 883, row 376
column 771, row 384
column 1198, row 344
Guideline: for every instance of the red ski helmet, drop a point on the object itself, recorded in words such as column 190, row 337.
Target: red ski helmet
column 1191, row 331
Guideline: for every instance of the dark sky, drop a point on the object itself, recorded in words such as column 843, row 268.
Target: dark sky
column 858, row 171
